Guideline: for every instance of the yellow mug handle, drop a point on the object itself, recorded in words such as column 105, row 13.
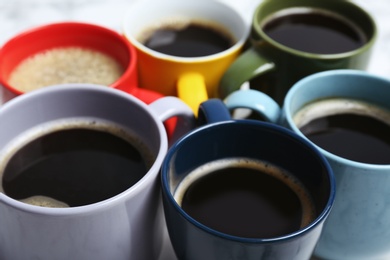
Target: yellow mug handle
column 191, row 88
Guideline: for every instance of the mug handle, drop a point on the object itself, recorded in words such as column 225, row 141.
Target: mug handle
column 191, row 88
column 149, row 96
column 250, row 64
column 256, row 101
column 168, row 107
column 212, row 111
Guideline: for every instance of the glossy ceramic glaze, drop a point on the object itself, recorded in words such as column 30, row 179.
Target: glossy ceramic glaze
column 122, row 227
column 274, row 68
column 358, row 225
column 229, row 138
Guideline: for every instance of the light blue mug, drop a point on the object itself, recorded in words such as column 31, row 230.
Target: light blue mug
column 359, row 225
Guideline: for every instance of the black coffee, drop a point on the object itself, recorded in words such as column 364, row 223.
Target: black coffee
column 316, row 31
column 248, row 202
column 192, row 40
column 353, row 129
column 356, row 137
column 74, row 166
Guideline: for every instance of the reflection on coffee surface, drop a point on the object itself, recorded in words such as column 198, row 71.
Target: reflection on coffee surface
column 352, row 129
column 73, row 164
column 187, row 38
column 246, row 198
column 314, row 30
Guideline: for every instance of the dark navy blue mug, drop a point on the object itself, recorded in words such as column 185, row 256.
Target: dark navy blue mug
column 244, row 150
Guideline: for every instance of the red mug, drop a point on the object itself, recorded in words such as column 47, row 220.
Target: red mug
column 74, row 34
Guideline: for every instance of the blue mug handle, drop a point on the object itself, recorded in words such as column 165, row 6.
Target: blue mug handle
column 255, row 101
column 212, row 111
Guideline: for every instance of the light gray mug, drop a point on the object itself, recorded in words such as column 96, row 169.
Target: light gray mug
column 126, row 225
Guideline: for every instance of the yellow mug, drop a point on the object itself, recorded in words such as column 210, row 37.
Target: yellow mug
column 193, row 76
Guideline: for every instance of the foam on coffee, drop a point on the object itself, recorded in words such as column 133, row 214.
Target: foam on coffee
column 44, row 201
column 307, row 204
column 65, row 124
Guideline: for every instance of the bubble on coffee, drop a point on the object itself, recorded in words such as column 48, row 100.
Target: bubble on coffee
column 238, row 196
column 43, row 167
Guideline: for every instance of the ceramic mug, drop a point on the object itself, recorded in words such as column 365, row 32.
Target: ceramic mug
column 193, row 79
column 273, row 64
column 48, row 37
column 219, row 141
column 358, row 225
column 127, row 225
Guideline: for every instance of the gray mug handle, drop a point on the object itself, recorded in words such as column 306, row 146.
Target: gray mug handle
column 168, row 107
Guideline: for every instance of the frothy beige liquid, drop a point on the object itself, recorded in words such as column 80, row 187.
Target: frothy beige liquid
column 44, row 201
column 65, row 65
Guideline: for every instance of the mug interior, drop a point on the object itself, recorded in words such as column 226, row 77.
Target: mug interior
column 351, row 84
column 254, row 140
column 78, row 101
column 143, row 15
column 346, row 9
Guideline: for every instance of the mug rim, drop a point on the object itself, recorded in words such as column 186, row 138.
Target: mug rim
column 269, row 127
column 239, row 42
column 128, row 70
column 114, row 200
column 366, row 46
column 303, row 83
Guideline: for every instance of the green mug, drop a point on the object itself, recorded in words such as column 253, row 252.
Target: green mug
column 293, row 39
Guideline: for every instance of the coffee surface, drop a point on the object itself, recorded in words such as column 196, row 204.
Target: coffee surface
column 353, row 129
column 243, row 200
column 355, row 137
column 73, row 166
column 315, row 31
column 188, row 40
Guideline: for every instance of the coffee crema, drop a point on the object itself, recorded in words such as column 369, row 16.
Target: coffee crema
column 63, row 65
column 187, row 38
column 72, row 162
column 246, row 198
column 314, row 30
column 352, row 129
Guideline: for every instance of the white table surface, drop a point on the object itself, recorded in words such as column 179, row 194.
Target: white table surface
column 19, row 15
